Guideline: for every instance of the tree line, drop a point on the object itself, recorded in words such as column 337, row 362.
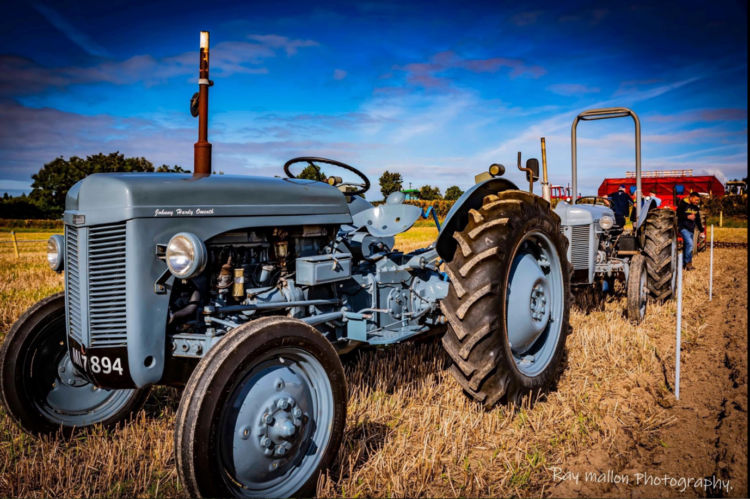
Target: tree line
column 50, row 185
column 391, row 182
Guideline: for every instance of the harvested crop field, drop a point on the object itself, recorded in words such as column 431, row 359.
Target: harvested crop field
column 412, row 432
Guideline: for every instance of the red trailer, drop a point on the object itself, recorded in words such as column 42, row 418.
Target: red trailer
column 669, row 185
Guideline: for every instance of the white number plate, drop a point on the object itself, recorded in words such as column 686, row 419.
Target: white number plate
column 97, row 364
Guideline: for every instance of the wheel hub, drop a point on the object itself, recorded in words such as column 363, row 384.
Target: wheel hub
column 538, row 303
column 68, row 373
column 273, row 424
column 528, row 295
column 280, row 427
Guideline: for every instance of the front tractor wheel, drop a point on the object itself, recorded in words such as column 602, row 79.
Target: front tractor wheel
column 263, row 413
column 509, row 301
column 39, row 387
column 637, row 289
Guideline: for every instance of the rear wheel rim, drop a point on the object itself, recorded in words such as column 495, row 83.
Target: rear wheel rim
column 534, row 304
column 283, row 400
column 55, row 388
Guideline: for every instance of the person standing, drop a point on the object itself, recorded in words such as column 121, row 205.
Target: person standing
column 688, row 218
column 621, row 203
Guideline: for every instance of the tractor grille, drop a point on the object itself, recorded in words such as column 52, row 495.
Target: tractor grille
column 580, row 246
column 73, row 285
column 107, row 317
column 95, row 283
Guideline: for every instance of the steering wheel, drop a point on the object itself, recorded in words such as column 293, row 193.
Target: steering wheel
column 311, row 161
column 595, row 200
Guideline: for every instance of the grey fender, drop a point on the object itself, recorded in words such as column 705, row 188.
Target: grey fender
column 458, row 216
column 358, row 204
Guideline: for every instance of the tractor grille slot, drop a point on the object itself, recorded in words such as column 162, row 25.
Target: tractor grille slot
column 579, row 246
column 106, row 283
column 73, row 285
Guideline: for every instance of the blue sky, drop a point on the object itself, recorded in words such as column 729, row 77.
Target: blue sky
column 434, row 90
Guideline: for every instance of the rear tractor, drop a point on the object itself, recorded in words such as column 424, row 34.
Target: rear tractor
column 245, row 291
column 601, row 251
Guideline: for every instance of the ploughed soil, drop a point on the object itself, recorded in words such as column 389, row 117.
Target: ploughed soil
column 707, row 439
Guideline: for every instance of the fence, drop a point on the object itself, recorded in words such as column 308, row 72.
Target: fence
column 30, row 224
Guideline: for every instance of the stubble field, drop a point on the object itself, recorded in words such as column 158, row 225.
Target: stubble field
column 411, row 431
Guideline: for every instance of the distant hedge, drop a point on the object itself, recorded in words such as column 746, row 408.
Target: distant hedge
column 731, row 206
column 31, row 224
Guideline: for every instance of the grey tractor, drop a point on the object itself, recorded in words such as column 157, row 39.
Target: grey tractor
column 246, row 290
column 601, row 251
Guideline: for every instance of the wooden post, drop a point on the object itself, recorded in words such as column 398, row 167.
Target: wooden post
column 15, row 243
column 721, row 218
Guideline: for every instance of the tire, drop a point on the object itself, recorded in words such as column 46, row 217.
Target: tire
column 222, row 420
column 36, row 395
column 489, row 255
column 637, row 289
column 660, row 251
column 699, row 244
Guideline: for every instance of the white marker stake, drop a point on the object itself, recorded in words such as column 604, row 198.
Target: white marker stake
column 679, row 327
column 711, row 269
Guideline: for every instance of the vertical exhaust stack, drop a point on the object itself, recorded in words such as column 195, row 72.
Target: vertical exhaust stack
column 202, row 167
column 546, row 192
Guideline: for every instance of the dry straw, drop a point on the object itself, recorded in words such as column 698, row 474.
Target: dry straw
column 411, row 431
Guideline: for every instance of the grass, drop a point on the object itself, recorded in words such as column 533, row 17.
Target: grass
column 728, row 222
column 410, row 431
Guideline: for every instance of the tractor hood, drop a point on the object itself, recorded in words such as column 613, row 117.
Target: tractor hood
column 114, row 197
column 581, row 214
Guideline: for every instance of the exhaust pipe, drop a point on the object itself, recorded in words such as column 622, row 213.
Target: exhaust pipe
column 202, row 166
column 546, row 192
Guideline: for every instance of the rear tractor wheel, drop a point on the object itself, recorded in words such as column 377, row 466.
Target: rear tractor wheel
column 699, row 243
column 660, row 252
column 509, row 301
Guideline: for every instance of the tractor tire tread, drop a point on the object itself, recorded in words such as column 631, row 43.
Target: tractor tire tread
column 660, row 240
column 475, row 334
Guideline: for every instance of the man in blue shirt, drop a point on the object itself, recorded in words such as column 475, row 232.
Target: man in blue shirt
column 621, row 203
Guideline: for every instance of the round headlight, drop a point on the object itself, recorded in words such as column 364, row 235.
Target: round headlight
column 186, row 255
column 56, row 252
column 606, row 222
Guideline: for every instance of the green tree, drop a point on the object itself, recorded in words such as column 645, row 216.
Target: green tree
column 453, row 193
column 53, row 181
column 429, row 193
column 390, row 183
column 311, row 173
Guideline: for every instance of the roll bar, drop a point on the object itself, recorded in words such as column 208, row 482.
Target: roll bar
column 604, row 114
